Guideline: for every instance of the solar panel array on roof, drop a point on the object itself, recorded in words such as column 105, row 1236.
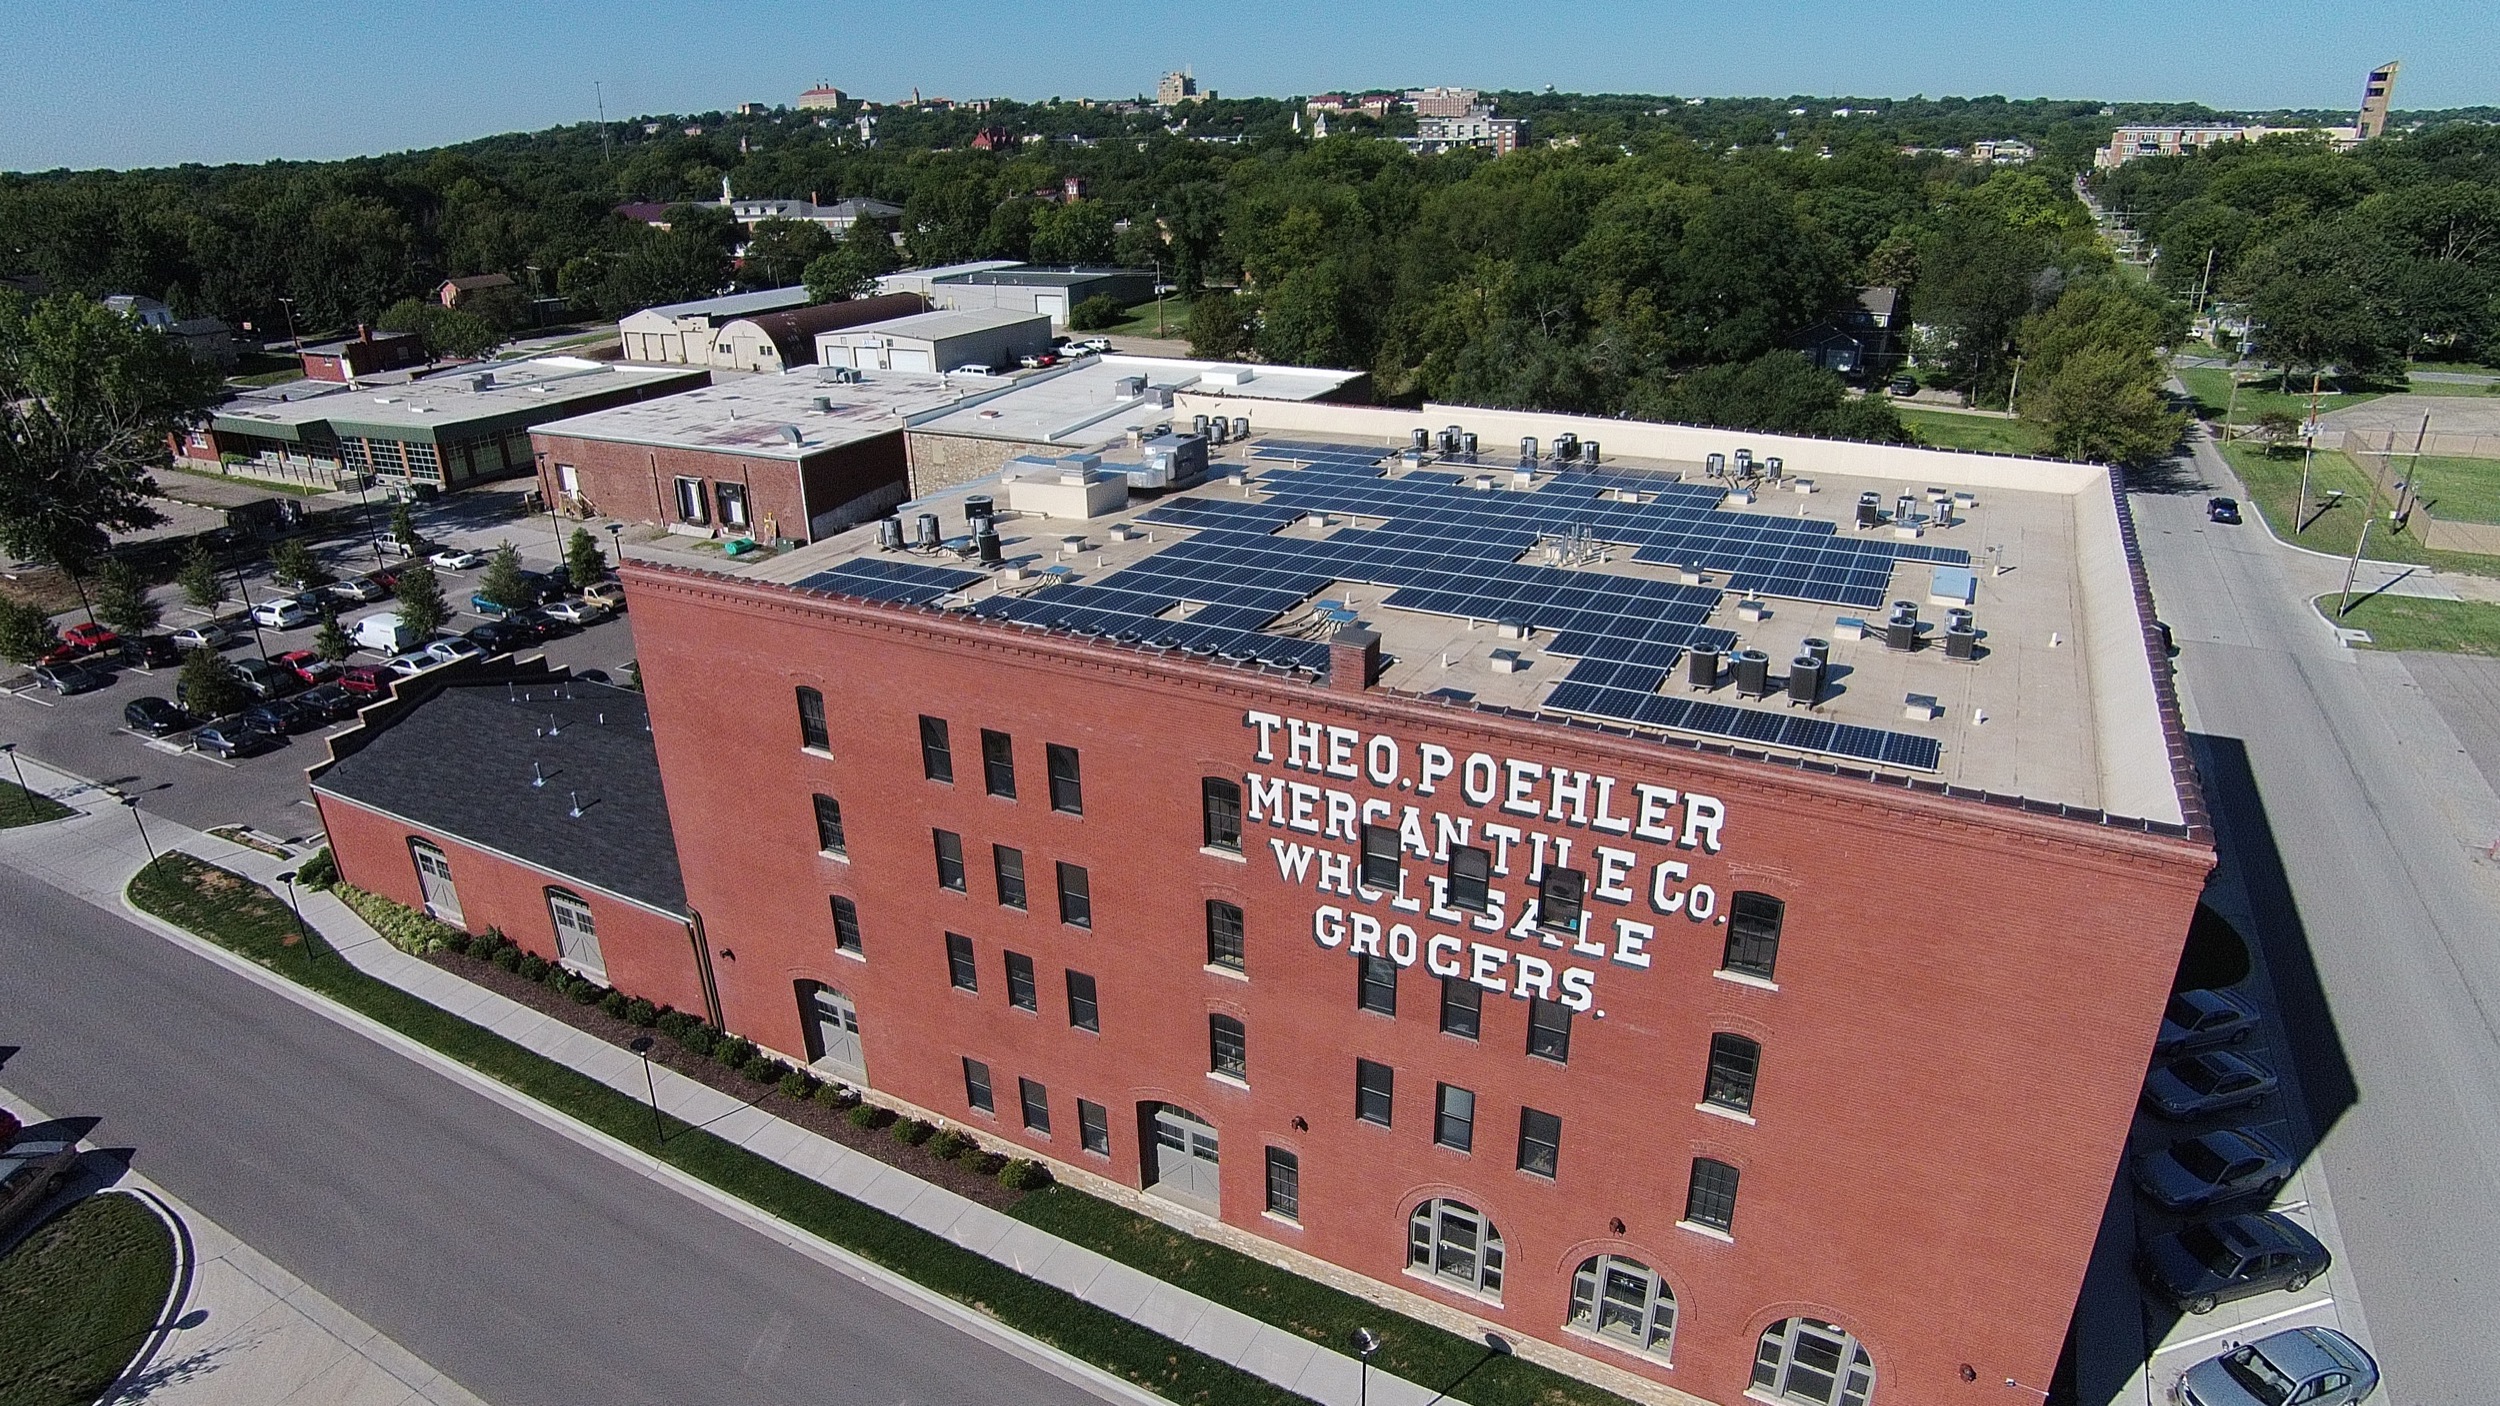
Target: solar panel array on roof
column 877, row 578
column 1620, row 693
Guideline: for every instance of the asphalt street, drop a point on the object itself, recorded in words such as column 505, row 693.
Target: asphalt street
column 524, row 1266
column 2346, row 802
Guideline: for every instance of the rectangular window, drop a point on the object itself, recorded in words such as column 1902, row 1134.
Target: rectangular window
column 998, row 763
column 937, row 758
column 829, row 825
column 1753, row 935
column 1067, row 789
column 845, row 925
column 1284, row 1184
column 1733, row 1062
column 1376, row 985
column 1093, row 1127
column 1224, row 939
column 1559, row 897
column 812, row 731
column 693, row 504
column 1471, row 878
column 1380, row 858
column 1021, row 992
column 1036, row 1101
column 960, row 968
column 1009, row 864
column 1076, row 896
column 1228, row 1047
column 1454, row 1117
column 1462, row 1007
column 977, row 1087
column 1373, row 1086
column 1712, row 1199
column 1222, row 802
column 1549, row 1030
column 950, row 859
column 1084, row 1012
column 1540, row 1141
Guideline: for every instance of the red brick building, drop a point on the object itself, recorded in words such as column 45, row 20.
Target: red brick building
column 1698, row 1067
column 364, row 354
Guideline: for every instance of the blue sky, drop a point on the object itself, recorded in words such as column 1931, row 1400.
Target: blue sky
column 153, row 82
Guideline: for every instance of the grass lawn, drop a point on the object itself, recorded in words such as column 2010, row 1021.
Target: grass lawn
column 2274, row 487
column 2460, row 490
column 2468, row 368
column 22, row 807
column 78, row 1297
column 1141, row 321
column 2455, row 388
column 1943, row 429
column 235, row 913
column 1413, row 1350
column 2210, row 386
column 2410, row 622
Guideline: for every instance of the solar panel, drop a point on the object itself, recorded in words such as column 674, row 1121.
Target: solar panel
column 883, row 579
column 1609, row 691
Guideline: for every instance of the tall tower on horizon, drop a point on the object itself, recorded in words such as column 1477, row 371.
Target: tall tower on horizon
column 2376, row 95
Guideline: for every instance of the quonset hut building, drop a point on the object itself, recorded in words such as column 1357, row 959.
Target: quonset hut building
column 1701, row 916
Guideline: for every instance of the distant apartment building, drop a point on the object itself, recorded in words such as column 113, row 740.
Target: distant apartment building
column 2376, row 94
column 364, row 354
column 2007, row 152
column 1479, row 129
column 2170, row 139
column 1175, row 88
column 1446, row 102
column 821, row 98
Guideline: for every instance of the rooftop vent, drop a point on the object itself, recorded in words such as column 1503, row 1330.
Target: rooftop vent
column 482, row 381
column 790, row 435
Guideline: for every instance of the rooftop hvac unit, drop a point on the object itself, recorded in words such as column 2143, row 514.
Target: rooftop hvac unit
column 482, row 381
column 1902, row 507
column 1241, row 427
column 1961, row 642
column 986, row 542
column 822, row 405
column 1901, row 633
column 1820, row 651
column 1218, row 430
column 979, row 510
column 1588, row 451
column 1805, row 680
column 1130, row 387
column 1714, row 466
column 1161, row 396
column 1198, row 424
column 890, row 534
column 1467, row 445
column 1701, row 667
column 1744, row 462
column 1753, row 673
column 1771, row 468
column 1566, row 447
column 1527, row 449
column 925, row 532
column 1870, row 510
column 1419, row 439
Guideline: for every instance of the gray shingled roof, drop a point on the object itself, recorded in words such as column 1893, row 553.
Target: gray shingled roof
column 459, row 764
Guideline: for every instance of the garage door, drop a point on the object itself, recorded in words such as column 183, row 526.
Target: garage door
column 907, row 359
column 834, row 356
column 1053, row 306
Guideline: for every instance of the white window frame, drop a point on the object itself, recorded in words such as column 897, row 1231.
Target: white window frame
column 1775, row 1352
column 560, row 903
column 1650, row 1325
column 1431, row 1252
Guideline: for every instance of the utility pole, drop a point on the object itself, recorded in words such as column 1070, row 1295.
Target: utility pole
column 2308, row 452
column 2016, row 386
column 2343, row 604
column 600, row 92
column 2203, row 284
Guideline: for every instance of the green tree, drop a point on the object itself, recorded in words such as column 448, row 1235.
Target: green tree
column 2278, row 430
column 502, row 582
column 1221, row 324
column 421, row 604
column 1096, row 313
column 88, row 402
column 121, row 598
column 404, row 526
column 1078, row 232
column 332, row 642
column 1780, row 392
column 203, row 585
column 210, row 686
column 779, row 251
column 294, row 563
column 1978, row 278
column 2105, row 405
column 25, row 631
column 583, row 561
column 863, row 254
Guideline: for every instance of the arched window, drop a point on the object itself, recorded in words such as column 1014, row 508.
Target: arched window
column 1625, row 1300
column 1753, row 935
column 1813, row 1364
column 577, row 936
column 1453, row 1241
column 812, row 731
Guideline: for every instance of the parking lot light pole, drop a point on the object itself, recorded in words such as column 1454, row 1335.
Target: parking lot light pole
column 26, row 797
column 302, row 937
column 1365, row 1342
column 258, row 641
column 132, row 802
column 642, row 1046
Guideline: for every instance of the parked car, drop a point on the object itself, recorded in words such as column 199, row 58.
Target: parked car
column 545, row 586
column 150, row 651
column 90, row 637
column 534, row 624
column 72, row 676
column 970, row 368
column 263, row 679
column 208, row 636
column 33, row 1171
column 2200, row 1085
column 607, row 593
column 577, row 611
column 2297, row 1367
column 358, row 590
column 456, row 559
column 1902, row 385
column 488, row 606
column 1038, row 360
column 279, row 717
column 305, row 665
column 1093, row 344
column 2225, row 510
column 328, row 703
column 365, row 680
column 60, row 651
column 2237, row 1257
column 232, row 737
column 414, row 662
column 451, row 651
column 155, row 716
column 2213, row 1168
column 286, row 613
column 500, row 636
column 2200, row 1020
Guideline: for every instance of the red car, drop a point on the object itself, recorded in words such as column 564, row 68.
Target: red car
column 90, row 638
column 306, row 665
column 366, row 679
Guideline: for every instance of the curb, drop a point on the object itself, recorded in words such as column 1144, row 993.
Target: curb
column 1033, row 1351
column 176, row 1294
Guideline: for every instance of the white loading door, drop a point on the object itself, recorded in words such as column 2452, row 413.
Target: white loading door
column 1185, row 1158
column 833, row 1027
column 912, row 359
column 1053, row 306
column 442, row 900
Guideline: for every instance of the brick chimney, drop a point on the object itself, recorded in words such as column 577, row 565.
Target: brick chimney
column 1353, row 659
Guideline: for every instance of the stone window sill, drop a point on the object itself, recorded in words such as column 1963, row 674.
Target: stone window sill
column 1741, row 979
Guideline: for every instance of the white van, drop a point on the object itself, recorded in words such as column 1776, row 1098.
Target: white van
column 384, row 632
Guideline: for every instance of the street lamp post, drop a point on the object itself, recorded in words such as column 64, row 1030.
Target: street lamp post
column 303, row 938
column 642, row 1046
column 1365, row 1343
column 25, row 797
column 294, row 341
column 258, row 641
column 132, row 804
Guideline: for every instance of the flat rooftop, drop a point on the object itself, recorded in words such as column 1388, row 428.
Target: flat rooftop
column 1082, row 404
column 1026, row 276
column 752, row 414
column 935, row 326
column 1579, row 591
column 735, row 305
column 523, row 390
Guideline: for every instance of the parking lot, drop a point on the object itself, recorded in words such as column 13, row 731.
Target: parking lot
column 85, row 733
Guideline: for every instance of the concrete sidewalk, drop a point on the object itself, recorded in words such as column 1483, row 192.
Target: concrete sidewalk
column 244, row 1332
column 94, row 853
